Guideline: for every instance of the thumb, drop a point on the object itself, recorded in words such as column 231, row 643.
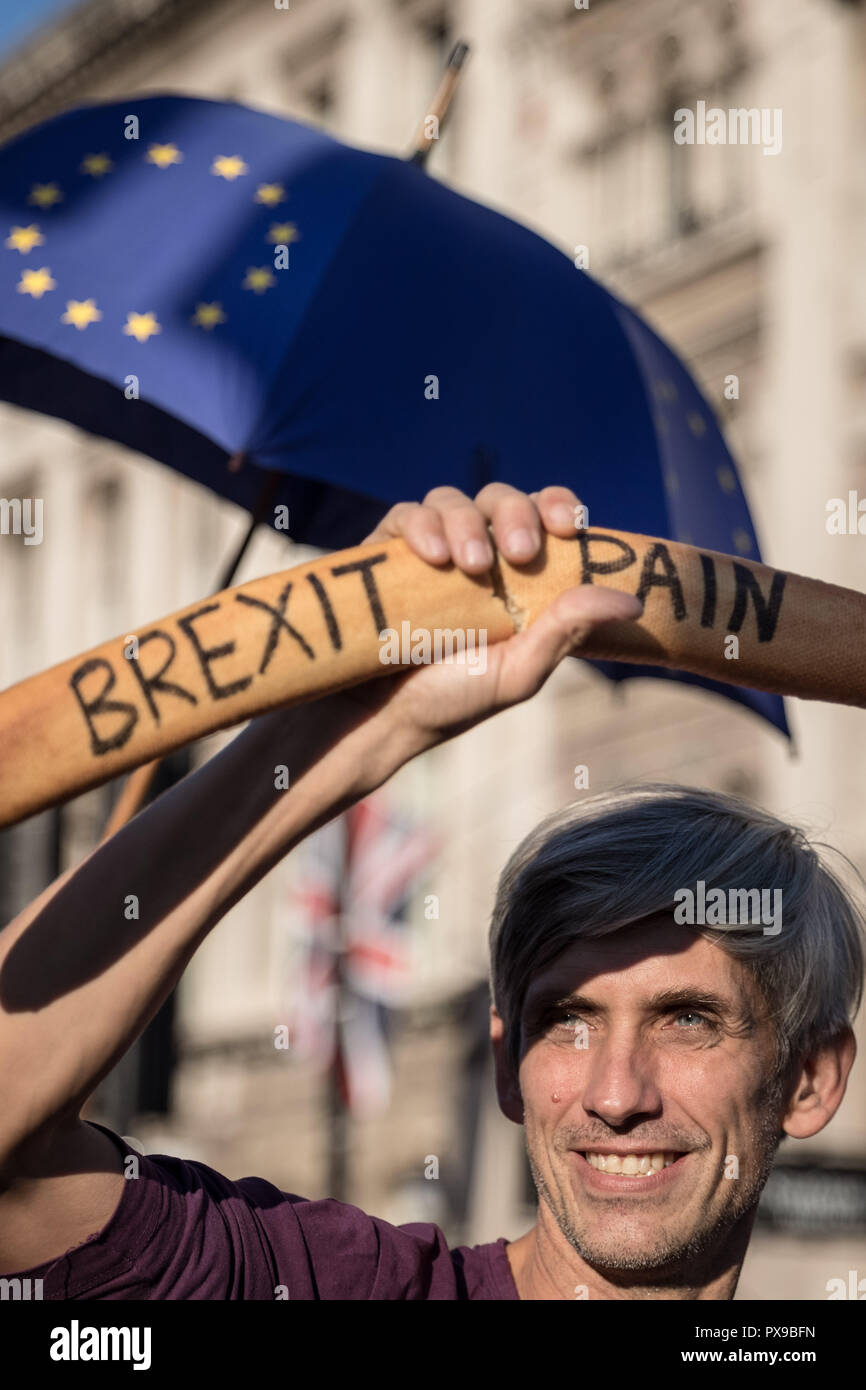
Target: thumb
column 530, row 656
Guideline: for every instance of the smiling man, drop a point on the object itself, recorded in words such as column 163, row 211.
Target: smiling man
column 657, row 1066
column 654, row 1065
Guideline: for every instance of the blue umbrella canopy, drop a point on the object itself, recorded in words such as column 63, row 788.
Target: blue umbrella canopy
column 211, row 285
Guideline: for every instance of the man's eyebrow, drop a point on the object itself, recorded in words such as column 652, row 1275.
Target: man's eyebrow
column 702, row 999
column 675, row 997
column 548, row 997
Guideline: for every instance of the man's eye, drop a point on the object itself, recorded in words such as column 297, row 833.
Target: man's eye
column 568, row 1021
column 697, row 1019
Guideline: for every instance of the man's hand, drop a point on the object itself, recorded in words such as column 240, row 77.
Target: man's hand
column 435, row 702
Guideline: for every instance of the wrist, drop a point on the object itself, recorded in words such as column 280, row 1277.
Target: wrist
column 374, row 743
column 353, row 730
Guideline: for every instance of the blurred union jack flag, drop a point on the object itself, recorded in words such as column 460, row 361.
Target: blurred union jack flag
column 350, row 912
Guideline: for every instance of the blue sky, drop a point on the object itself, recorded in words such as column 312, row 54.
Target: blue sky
column 21, row 18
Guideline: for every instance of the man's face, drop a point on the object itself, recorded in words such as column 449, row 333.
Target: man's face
column 647, row 1042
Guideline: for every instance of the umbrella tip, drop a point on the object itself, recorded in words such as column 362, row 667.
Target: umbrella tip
column 438, row 112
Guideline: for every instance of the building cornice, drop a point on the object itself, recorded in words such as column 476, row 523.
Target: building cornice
column 50, row 72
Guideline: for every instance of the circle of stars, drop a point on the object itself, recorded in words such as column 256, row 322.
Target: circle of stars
column 162, row 155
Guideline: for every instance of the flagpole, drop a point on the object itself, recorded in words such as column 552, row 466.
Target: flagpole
column 338, row 1116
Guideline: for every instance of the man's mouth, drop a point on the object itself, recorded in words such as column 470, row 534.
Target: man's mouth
column 631, row 1164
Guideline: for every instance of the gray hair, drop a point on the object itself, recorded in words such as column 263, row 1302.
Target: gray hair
column 610, row 860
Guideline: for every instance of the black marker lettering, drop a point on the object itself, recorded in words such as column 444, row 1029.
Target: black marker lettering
column 650, row 579
column 373, row 598
column 590, row 567
column 91, row 708
column 327, row 609
column 208, row 654
column 156, row 682
column 766, row 611
column 279, row 621
column 708, row 612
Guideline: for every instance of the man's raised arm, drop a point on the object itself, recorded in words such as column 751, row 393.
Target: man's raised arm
column 79, row 980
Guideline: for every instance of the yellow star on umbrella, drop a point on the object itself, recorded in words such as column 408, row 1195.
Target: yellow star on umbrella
column 208, row 315
column 23, row 239
column 36, row 282
column 283, row 233
column 96, row 164
column 141, row 326
column 258, row 278
column 45, row 195
column 163, row 155
column 270, row 194
column 229, row 166
column 81, row 312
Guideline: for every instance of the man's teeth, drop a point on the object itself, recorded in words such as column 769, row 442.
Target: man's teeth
column 638, row 1165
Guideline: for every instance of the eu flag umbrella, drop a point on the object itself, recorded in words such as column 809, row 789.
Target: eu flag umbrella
column 210, row 284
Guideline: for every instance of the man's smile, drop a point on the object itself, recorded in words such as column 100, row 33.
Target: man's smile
column 628, row 1170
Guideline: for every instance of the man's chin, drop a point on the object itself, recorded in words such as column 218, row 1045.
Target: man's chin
column 629, row 1246
column 617, row 1261
column 619, row 1242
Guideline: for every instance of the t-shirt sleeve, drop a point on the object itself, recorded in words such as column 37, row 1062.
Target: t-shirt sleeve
column 184, row 1231
column 327, row 1249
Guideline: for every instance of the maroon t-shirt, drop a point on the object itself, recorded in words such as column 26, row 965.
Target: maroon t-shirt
column 183, row 1231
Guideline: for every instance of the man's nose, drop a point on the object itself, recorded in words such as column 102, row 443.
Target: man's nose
column 621, row 1081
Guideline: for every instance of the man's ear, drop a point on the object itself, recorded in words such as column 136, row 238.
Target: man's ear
column 819, row 1087
column 507, row 1088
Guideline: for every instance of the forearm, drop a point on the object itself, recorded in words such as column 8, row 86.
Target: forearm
column 81, row 975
